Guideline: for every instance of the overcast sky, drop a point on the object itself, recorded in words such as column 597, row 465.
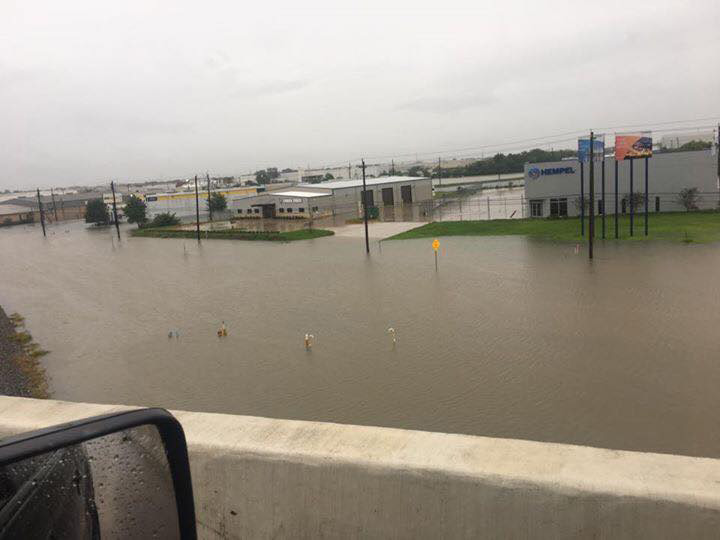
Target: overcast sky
column 132, row 90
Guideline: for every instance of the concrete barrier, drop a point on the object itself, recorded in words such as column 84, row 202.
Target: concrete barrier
column 265, row 478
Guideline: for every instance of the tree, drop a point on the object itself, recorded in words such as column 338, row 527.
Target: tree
column 266, row 175
column 417, row 170
column 272, row 173
column 696, row 145
column 165, row 219
column 636, row 201
column 690, row 146
column 582, row 202
column 688, row 198
column 97, row 212
column 136, row 210
column 328, row 176
column 261, row 177
column 217, row 202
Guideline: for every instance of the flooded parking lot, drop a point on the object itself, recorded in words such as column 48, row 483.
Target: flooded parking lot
column 511, row 338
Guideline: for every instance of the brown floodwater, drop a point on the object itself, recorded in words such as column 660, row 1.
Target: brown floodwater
column 511, row 338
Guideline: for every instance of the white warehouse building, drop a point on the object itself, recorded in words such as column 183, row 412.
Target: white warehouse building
column 553, row 189
column 335, row 196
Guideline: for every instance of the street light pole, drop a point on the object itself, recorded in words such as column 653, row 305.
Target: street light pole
column 197, row 210
column 365, row 208
column 42, row 214
column 591, row 230
column 117, row 223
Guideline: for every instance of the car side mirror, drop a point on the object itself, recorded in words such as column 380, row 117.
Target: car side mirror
column 122, row 475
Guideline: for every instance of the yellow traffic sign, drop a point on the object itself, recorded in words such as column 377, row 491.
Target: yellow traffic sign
column 436, row 244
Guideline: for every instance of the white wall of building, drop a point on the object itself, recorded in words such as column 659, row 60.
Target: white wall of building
column 667, row 175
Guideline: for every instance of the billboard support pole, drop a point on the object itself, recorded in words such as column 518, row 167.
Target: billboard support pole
column 646, row 196
column 617, row 235
column 602, row 172
column 582, row 199
column 632, row 203
column 591, row 224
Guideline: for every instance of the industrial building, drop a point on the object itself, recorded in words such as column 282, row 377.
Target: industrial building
column 552, row 189
column 12, row 214
column 57, row 207
column 336, row 196
column 182, row 203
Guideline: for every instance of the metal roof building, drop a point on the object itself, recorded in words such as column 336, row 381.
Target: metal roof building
column 334, row 196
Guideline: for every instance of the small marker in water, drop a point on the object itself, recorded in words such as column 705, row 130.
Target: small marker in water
column 222, row 331
column 308, row 341
column 391, row 331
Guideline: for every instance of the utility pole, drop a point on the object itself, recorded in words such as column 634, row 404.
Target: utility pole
column 617, row 230
column 208, row 190
column 392, row 170
column 117, row 223
column 42, row 214
column 717, row 151
column 603, row 192
column 582, row 199
column 349, row 171
column 591, row 230
column 632, row 198
column 439, row 171
column 365, row 209
column 197, row 210
column 52, row 196
column 646, row 196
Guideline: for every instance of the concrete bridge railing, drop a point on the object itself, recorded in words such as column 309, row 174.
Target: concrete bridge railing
column 265, row 478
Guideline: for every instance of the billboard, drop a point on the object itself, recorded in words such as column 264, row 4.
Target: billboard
column 636, row 145
column 584, row 148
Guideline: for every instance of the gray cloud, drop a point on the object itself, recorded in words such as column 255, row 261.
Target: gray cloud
column 449, row 102
column 137, row 90
column 270, row 88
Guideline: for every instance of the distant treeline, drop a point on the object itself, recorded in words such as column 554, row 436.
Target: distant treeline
column 498, row 164
column 690, row 146
column 515, row 163
column 507, row 163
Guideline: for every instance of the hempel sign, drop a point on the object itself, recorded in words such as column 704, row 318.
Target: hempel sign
column 535, row 172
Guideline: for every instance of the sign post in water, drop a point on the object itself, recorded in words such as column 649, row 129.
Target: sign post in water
column 436, row 246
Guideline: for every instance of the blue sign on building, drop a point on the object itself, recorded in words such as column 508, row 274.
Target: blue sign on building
column 535, row 172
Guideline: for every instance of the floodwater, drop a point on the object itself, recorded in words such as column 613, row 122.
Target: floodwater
column 511, row 338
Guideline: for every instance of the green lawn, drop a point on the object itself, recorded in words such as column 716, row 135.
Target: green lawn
column 234, row 234
column 672, row 226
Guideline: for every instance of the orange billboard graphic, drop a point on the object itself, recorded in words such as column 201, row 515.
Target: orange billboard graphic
column 636, row 145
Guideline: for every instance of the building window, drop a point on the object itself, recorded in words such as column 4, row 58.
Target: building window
column 314, row 208
column 289, row 210
column 281, row 209
column 257, row 210
column 558, row 207
column 301, row 210
column 536, row 208
column 239, row 211
column 601, row 208
column 249, row 211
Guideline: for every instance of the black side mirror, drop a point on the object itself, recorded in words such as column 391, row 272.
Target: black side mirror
column 123, row 475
